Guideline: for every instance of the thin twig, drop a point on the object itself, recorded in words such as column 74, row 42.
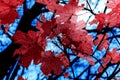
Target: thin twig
column 89, row 5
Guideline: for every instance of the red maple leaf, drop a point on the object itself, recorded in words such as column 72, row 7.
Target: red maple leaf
column 110, row 19
column 111, row 56
column 79, row 38
column 104, row 43
column 74, row 35
column 51, row 64
column 64, row 59
column 114, row 55
column 29, row 49
column 77, row 34
column 114, row 17
column 101, row 19
column 26, row 41
column 65, row 41
column 47, row 28
column 8, row 11
column 67, row 11
column 73, row 30
column 85, row 45
column 33, row 53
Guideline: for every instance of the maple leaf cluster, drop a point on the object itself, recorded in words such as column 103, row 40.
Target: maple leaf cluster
column 110, row 19
column 30, row 50
column 8, row 11
column 33, row 43
column 73, row 35
column 110, row 57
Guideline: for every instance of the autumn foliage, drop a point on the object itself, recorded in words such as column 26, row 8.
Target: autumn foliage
column 70, row 33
